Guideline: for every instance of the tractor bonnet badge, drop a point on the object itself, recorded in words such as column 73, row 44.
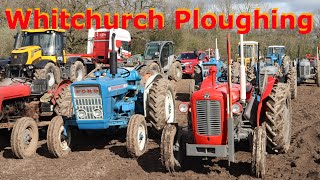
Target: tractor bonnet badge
column 206, row 96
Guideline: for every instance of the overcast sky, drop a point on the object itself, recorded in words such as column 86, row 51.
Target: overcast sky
column 296, row 6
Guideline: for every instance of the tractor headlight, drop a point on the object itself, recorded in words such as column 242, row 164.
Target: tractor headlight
column 183, row 107
column 81, row 113
column 236, row 108
column 97, row 113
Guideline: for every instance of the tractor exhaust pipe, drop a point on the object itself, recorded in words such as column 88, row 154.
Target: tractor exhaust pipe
column 242, row 73
column 229, row 107
column 113, row 58
column 217, row 55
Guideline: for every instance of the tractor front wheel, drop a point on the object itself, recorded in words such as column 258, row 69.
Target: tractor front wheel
column 50, row 72
column 77, row 71
column 58, row 143
column 24, row 138
column 258, row 162
column 137, row 136
column 318, row 79
column 175, row 71
column 171, row 150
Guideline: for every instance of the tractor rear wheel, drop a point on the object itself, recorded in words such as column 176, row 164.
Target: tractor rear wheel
column 50, row 72
column 279, row 118
column 161, row 103
column 77, row 71
column 293, row 81
column 58, row 144
column 24, row 138
column 137, row 136
column 175, row 71
column 64, row 105
column 251, row 76
column 171, row 148
column 258, row 161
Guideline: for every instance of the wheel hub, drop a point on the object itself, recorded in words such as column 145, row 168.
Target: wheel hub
column 141, row 137
column 64, row 140
column 79, row 74
column 50, row 79
column 27, row 136
column 169, row 107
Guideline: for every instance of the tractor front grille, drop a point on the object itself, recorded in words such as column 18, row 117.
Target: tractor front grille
column 304, row 70
column 89, row 106
column 20, row 59
column 208, row 117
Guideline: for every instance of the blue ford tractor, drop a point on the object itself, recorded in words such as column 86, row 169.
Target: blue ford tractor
column 278, row 64
column 114, row 98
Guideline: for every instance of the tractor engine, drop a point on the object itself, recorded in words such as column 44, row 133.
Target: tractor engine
column 105, row 101
column 208, row 110
column 305, row 69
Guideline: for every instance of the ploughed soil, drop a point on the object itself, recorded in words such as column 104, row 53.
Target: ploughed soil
column 104, row 156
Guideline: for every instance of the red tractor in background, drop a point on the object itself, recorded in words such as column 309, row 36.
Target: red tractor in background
column 25, row 106
column 221, row 113
column 191, row 62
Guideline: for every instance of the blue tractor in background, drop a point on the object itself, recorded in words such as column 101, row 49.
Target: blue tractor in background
column 278, row 64
column 221, row 67
column 114, row 98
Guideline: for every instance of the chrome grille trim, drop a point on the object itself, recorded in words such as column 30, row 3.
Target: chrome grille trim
column 208, row 117
column 88, row 105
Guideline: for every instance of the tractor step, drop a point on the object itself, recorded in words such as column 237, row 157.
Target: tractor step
column 206, row 150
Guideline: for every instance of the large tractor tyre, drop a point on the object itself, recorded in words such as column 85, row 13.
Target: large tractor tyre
column 258, row 161
column 24, row 138
column 251, row 76
column 64, row 105
column 58, row 144
column 137, row 136
column 235, row 72
column 77, row 71
column 154, row 67
column 191, row 88
column 197, row 75
column 279, row 119
column 293, row 81
column 161, row 103
column 171, row 148
column 175, row 71
column 50, row 72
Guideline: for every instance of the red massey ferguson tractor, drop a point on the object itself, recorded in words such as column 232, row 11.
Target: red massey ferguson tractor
column 25, row 106
column 221, row 113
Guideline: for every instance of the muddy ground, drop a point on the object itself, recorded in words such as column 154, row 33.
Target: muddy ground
column 101, row 157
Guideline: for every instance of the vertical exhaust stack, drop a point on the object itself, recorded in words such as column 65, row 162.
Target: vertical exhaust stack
column 217, row 55
column 242, row 73
column 17, row 39
column 91, row 33
column 229, row 107
column 113, row 57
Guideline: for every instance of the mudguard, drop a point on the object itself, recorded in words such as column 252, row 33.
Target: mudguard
column 73, row 59
column 147, row 87
column 40, row 64
column 265, row 94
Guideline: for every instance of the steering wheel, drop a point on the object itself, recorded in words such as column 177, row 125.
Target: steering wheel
column 126, row 73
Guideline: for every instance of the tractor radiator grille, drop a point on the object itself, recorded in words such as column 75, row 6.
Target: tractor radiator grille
column 208, row 117
column 90, row 106
column 304, row 70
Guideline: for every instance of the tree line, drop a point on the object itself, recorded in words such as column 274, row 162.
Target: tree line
column 186, row 39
